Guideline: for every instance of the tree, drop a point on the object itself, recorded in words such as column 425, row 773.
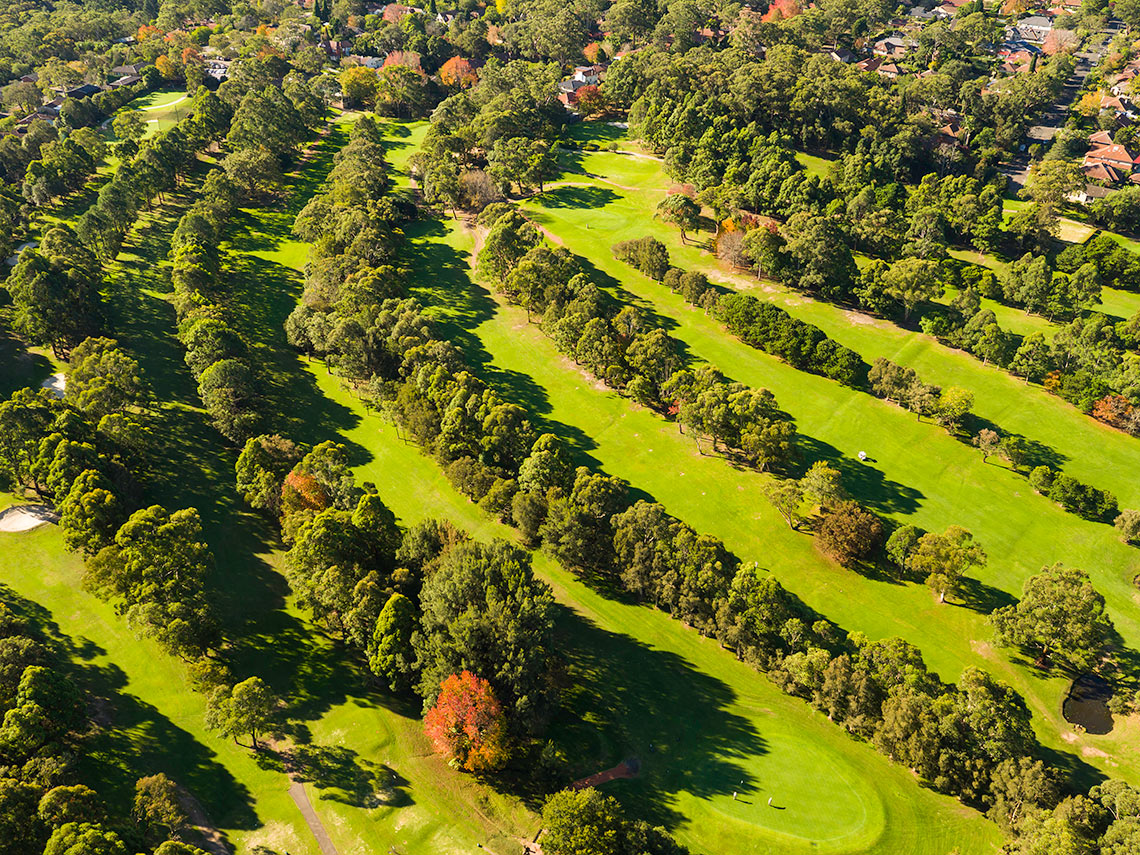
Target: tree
column 1032, row 358
column 467, row 723
column 90, row 514
column 988, row 442
column 1020, row 785
column 1060, row 615
column 55, row 292
column 128, row 126
column 84, row 838
column 786, row 497
column 953, row 405
column 261, row 469
column 679, row 209
column 158, row 567
column 912, row 281
column 823, row 485
column 391, row 654
column 158, row 812
column 583, row 822
column 229, row 394
column 256, row 170
column 484, row 611
column 73, row 803
column 591, row 101
column 943, row 559
column 849, row 532
column 1128, row 524
column 1052, row 181
column 244, row 708
column 103, row 379
column 901, row 544
column 548, row 465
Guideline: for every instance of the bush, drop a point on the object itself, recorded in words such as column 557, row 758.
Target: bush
column 1041, row 479
column 1128, row 524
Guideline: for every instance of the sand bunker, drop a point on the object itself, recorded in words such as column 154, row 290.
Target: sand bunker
column 26, row 517
column 56, row 384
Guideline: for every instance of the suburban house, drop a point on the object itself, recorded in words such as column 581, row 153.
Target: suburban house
column 889, row 70
column 1035, row 28
column 1106, row 161
column 841, row 54
column 125, row 80
column 893, row 47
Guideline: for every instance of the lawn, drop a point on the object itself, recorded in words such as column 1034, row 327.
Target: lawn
column 920, row 474
column 630, row 666
column 630, row 661
column 161, row 109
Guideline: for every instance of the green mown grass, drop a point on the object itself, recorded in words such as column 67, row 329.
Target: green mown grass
column 921, row 475
column 700, row 722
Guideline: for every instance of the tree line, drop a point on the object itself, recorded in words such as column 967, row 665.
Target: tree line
column 620, row 346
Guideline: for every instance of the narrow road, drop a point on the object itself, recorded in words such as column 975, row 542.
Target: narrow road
column 1017, row 170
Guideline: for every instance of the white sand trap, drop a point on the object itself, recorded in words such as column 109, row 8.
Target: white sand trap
column 26, row 517
column 56, row 384
column 165, row 106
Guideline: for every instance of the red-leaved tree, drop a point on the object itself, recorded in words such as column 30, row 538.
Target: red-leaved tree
column 467, row 723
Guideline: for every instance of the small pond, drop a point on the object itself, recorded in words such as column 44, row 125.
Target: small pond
column 1087, row 704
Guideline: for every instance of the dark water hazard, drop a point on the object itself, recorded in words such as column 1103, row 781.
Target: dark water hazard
column 1087, row 704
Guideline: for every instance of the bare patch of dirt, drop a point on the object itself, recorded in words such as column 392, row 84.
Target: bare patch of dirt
column 210, row 838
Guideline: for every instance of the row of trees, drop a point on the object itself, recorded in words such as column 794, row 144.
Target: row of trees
column 157, row 167
column 215, row 353
column 623, row 348
column 354, row 232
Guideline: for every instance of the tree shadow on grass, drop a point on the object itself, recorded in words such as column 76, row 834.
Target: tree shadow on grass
column 458, row 306
column 977, row 596
column 623, row 702
column 574, row 196
column 342, row 775
column 1036, row 453
column 866, row 484
column 130, row 738
column 138, row 741
column 19, row 367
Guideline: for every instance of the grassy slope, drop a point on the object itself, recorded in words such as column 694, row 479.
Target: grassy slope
column 945, row 481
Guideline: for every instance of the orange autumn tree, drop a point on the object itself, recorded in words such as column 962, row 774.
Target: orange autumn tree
column 467, row 723
column 457, row 73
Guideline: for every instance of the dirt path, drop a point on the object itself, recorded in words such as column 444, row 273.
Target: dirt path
column 301, row 800
column 626, row 769
column 211, row 840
